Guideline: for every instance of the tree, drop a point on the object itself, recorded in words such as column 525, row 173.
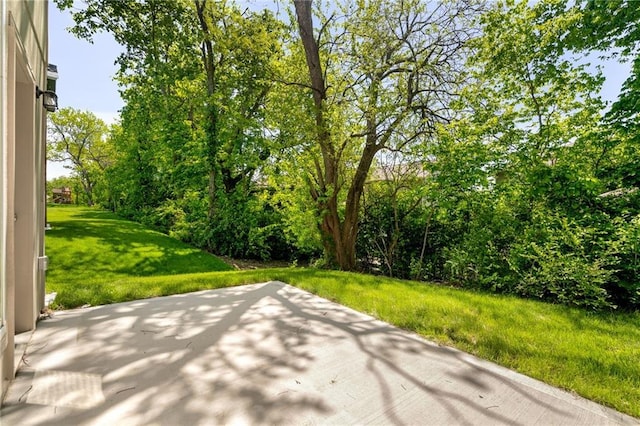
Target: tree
column 521, row 164
column 612, row 29
column 194, row 76
column 79, row 137
column 236, row 50
column 381, row 75
column 159, row 62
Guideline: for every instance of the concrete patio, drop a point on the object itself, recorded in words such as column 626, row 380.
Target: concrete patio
column 265, row 354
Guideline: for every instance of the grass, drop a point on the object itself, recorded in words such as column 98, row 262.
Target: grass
column 89, row 248
column 594, row 355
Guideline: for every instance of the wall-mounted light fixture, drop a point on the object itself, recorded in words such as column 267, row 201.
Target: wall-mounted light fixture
column 49, row 99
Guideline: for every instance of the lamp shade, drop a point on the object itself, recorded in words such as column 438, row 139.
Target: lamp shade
column 50, row 101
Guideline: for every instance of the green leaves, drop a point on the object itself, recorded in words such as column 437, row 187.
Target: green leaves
column 455, row 140
column 381, row 76
column 79, row 138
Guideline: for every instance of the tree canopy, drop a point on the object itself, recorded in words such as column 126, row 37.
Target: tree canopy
column 458, row 141
column 79, row 139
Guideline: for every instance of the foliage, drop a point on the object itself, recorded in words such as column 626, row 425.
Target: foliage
column 454, row 141
column 625, row 253
column 521, row 166
column 397, row 235
column 78, row 137
column 203, row 137
column 248, row 228
column 383, row 76
column 557, row 264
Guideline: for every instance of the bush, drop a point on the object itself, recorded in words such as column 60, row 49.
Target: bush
column 247, row 228
column 391, row 238
column 544, row 256
column 481, row 257
column 624, row 251
column 568, row 278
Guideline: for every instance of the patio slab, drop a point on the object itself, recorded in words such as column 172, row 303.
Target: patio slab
column 265, row 354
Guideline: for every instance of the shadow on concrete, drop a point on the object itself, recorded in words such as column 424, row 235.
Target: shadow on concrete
column 265, row 354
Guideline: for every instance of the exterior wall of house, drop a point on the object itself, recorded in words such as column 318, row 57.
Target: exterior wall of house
column 23, row 66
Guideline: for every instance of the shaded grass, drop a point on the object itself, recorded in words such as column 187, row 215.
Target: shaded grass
column 594, row 355
column 88, row 247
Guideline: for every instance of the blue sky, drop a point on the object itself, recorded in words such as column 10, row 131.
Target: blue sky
column 86, row 72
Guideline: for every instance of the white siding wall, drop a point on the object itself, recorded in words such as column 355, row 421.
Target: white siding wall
column 23, row 66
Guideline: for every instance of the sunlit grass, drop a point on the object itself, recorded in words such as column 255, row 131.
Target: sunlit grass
column 594, row 355
column 88, row 248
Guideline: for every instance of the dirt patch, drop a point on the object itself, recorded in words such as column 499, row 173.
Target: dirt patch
column 244, row 264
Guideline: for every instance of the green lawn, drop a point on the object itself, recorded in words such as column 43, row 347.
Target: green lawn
column 89, row 249
column 594, row 355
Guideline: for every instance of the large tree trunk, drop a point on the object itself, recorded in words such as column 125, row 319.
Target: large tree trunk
column 352, row 207
column 212, row 116
column 327, row 172
column 87, row 186
column 339, row 237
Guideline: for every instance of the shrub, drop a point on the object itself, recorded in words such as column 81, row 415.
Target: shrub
column 624, row 251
